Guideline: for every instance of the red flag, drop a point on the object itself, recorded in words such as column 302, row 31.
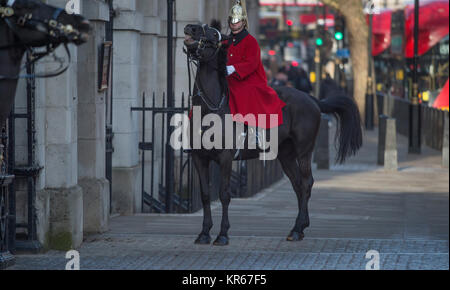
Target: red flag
column 442, row 100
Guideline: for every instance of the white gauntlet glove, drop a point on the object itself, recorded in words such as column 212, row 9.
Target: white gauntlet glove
column 230, row 70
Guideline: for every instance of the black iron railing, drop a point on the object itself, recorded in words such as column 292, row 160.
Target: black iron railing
column 25, row 238
column 6, row 180
column 432, row 120
column 248, row 177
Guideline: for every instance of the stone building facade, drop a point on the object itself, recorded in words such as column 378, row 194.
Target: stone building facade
column 72, row 192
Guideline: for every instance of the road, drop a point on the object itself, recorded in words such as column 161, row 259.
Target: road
column 354, row 208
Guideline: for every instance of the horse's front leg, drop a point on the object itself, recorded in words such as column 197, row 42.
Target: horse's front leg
column 225, row 198
column 202, row 166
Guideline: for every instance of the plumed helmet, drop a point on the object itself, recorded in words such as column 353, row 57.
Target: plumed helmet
column 238, row 12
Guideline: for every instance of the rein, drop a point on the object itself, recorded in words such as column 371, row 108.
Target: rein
column 34, row 57
column 207, row 101
column 51, row 27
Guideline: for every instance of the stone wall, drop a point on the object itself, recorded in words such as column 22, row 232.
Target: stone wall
column 140, row 65
column 72, row 193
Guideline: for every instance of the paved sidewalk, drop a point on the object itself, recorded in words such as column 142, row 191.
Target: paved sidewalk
column 354, row 208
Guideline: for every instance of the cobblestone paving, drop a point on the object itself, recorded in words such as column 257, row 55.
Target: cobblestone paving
column 354, row 209
column 151, row 252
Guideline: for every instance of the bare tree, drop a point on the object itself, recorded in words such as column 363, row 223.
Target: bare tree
column 352, row 10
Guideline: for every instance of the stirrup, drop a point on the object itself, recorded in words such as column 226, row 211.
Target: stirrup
column 257, row 137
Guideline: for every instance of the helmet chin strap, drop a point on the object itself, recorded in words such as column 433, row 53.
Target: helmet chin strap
column 238, row 30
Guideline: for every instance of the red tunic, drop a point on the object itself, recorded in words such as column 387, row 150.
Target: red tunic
column 249, row 90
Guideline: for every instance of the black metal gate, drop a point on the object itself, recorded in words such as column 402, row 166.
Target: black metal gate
column 155, row 194
column 6, row 179
column 185, row 194
column 247, row 178
column 23, row 236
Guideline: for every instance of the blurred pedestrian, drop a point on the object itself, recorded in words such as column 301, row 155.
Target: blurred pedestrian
column 303, row 82
column 281, row 78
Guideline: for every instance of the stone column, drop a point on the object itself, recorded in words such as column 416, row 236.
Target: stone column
column 187, row 12
column 126, row 171
column 150, row 72
column 92, row 123
column 150, row 56
column 253, row 17
column 59, row 199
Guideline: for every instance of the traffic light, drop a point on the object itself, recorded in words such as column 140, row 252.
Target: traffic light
column 339, row 35
column 339, row 28
column 320, row 36
column 319, row 41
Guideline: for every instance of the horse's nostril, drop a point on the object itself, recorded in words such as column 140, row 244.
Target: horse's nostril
column 85, row 26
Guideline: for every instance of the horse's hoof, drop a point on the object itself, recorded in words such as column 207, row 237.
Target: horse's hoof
column 203, row 240
column 221, row 241
column 295, row 237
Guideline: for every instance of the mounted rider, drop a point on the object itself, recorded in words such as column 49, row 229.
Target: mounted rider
column 247, row 81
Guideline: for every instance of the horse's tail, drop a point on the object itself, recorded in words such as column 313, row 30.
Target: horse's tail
column 349, row 130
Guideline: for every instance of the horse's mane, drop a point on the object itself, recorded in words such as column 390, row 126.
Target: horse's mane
column 222, row 59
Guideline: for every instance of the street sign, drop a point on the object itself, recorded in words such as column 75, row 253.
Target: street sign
column 343, row 53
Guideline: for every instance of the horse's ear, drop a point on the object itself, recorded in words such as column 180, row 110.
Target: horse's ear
column 216, row 24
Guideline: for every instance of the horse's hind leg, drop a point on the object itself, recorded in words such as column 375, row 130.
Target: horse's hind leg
column 225, row 197
column 303, row 196
column 299, row 173
column 202, row 166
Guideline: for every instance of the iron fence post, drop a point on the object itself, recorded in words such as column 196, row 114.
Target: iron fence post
column 317, row 57
column 170, row 104
column 415, row 113
column 369, row 93
column 6, row 259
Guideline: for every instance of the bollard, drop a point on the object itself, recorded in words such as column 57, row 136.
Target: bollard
column 445, row 143
column 387, row 143
column 382, row 138
column 322, row 155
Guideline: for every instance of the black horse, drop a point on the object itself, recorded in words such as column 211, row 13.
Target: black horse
column 296, row 136
column 28, row 24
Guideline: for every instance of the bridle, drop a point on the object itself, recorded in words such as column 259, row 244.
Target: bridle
column 55, row 33
column 193, row 59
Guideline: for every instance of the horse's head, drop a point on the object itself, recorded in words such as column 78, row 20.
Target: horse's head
column 202, row 41
column 37, row 24
column 31, row 23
